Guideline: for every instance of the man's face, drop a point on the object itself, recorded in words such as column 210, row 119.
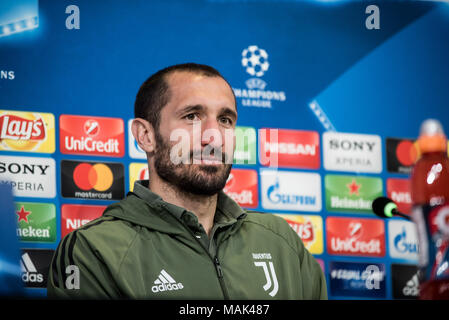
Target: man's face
column 195, row 140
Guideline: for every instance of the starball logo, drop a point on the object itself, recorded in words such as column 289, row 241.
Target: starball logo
column 255, row 62
column 92, row 136
column 27, row 131
column 352, row 236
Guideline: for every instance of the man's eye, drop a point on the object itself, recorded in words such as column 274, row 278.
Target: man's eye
column 226, row 121
column 192, row 117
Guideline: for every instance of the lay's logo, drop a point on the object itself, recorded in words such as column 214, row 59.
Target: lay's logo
column 27, row 131
column 309, row 228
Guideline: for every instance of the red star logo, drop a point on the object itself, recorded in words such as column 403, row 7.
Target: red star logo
column 353, row 187
column 23, row 215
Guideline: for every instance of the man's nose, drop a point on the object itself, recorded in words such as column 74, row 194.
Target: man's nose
column 211, row 134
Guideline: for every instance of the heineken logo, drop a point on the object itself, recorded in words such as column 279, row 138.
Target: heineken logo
column 351, row 193
column 36, row 222
column 353, row 187
column 245, row 145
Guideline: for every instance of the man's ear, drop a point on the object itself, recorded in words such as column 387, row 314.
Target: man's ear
column 143, row 132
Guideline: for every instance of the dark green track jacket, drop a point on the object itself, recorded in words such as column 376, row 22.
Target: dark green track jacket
column 145, row 248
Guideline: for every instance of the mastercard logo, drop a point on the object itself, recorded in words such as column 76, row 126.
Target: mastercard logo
column 407, row 153
column 97, row 176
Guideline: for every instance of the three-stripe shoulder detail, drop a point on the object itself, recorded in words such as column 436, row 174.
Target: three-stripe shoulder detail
column 64, row 254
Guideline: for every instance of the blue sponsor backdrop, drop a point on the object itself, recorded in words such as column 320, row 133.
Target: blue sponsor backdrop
column 357, row 279
column 384, row 81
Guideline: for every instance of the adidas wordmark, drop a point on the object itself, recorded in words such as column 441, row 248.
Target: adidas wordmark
column 165, row 282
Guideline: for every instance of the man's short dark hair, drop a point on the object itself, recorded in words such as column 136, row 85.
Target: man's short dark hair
column 154, row 93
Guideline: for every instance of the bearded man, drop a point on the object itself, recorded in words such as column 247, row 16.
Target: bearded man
column 178, row 235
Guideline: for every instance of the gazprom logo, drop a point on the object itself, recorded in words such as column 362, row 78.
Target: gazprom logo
column 403, row 244
column 403, row 240
column 279, row 198
column 290, row 190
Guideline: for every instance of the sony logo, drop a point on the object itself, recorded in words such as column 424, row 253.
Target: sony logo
column 18, row 168
column 349, row 145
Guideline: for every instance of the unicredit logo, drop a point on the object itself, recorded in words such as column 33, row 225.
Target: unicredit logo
column 98, row 177
column 91, row 127
column 355, row 237
column 90, row 145
column 241, row 186
column 94, row 136
column 353, row 243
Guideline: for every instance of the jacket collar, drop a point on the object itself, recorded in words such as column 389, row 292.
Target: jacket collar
column 146, row 208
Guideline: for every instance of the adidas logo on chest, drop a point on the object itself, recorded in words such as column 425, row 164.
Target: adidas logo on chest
column 165, row 282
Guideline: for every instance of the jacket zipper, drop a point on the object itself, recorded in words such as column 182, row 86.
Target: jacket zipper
column 220, row 277
column 216, row 264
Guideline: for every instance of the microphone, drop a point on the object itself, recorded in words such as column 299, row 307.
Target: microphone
column 386, row 208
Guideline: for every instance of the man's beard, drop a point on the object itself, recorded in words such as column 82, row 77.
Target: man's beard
column 198, row 179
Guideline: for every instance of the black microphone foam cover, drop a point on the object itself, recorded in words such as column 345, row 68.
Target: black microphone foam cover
column 383, row 206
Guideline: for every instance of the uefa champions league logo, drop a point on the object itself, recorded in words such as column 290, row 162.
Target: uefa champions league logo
column 255, row 60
